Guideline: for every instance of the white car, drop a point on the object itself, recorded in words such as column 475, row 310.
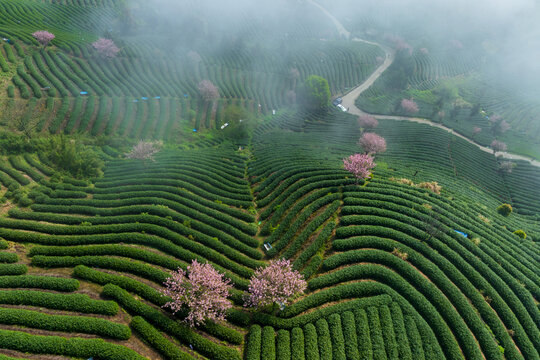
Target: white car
column 341, row 107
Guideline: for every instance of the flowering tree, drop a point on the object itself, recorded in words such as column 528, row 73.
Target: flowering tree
column 497, row 145
column 506, row 167
column 359, row 165
column 106, row 47
column 276, row 283
column 367, row 121
column 203, row 291
column 476, row 130
column 372, row 143
column 424, row 51
column 43, row 37
column 208, row 90
column 409, row 106
column 144, row 150
column 503, row 126
column 294, row 74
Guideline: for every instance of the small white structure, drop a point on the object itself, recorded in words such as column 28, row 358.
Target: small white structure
column 267, row 246
column 224, row 126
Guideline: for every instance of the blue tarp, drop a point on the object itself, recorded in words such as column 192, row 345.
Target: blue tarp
column 460, row 232
column 186, row 96
column 195, row 130
column 144, row 98
column 84, row 93
column 157, row 97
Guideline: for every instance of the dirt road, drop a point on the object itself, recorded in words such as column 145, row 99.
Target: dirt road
column 350, row 98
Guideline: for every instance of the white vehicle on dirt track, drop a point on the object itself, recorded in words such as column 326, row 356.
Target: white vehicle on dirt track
column 341, row 107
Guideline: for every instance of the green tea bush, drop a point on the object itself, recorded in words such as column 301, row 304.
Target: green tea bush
column 504, row 209
column 521, row 233
column 158, row 341
column 253, row 347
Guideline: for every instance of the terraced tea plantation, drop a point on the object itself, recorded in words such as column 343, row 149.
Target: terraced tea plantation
column 396, row 267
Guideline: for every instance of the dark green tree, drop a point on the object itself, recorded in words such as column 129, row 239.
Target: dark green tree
column 315, row 94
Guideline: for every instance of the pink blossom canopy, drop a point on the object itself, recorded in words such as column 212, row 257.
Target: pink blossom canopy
column 144, row 150
column 106, row 47
column 372, row 143
column 275, row 283
column 497, row 145
column 367, row 121
column 359, row 165
column 204, row 292
column 43, row 37
column 409, row 106
column 208, row 90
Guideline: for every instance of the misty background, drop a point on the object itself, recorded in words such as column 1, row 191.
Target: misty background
column 504, row 34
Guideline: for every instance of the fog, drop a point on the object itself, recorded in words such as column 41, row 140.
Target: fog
column 504, row 34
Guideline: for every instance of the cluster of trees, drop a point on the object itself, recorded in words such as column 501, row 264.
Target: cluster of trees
column 204, row 291
column 360, row 165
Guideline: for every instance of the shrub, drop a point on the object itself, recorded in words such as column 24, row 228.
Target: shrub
column 253, row 348
column 156, row 340
column 505, row 209
column 521, row 233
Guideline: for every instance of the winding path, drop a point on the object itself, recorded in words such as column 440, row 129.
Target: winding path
column 350, row 98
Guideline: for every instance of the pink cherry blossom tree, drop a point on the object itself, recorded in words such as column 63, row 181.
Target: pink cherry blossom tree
column 372, row 143
column 144, row 150
column 497, row 145
column 208, row 90
column 476, row 130
column 359, row 165
column 276, row 283
column 43, row 37
column 203, row 291
column 106, row 47
column 409, row 106
column 506, row 167
column 366, row 122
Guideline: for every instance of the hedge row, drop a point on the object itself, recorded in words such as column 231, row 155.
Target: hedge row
column 283, row 344
column 297, row 344
column 363, row 334
column 66, row 323
column 268, row 343
column 440, row 279
column 435, row 311
column 153, row 337
column 72, row 347
column 233, row 226
column 311, row 342
column 171, row 327
column 291, row 215
column 369, row 299
column 69, row 302
column 323, row 340
column 199, row 230
column 253, row 346
column 133, row 238
column 140, row 269
column 39, row 282
column 8, row 257
column 389, row 334
column 400, row 332
column 337, row 337
column 315, row 246
column 313, row 225
column 153, row 296
column 13, row 269
column 292, row 229
column 349, row 335
column 187, row 198
column 376, row 333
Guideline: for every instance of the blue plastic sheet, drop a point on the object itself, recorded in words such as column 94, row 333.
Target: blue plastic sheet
column 157, row 97
column 461, row 233
column 144, row 98
column 194, row 130
column 84, row 93
column 186, row 96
